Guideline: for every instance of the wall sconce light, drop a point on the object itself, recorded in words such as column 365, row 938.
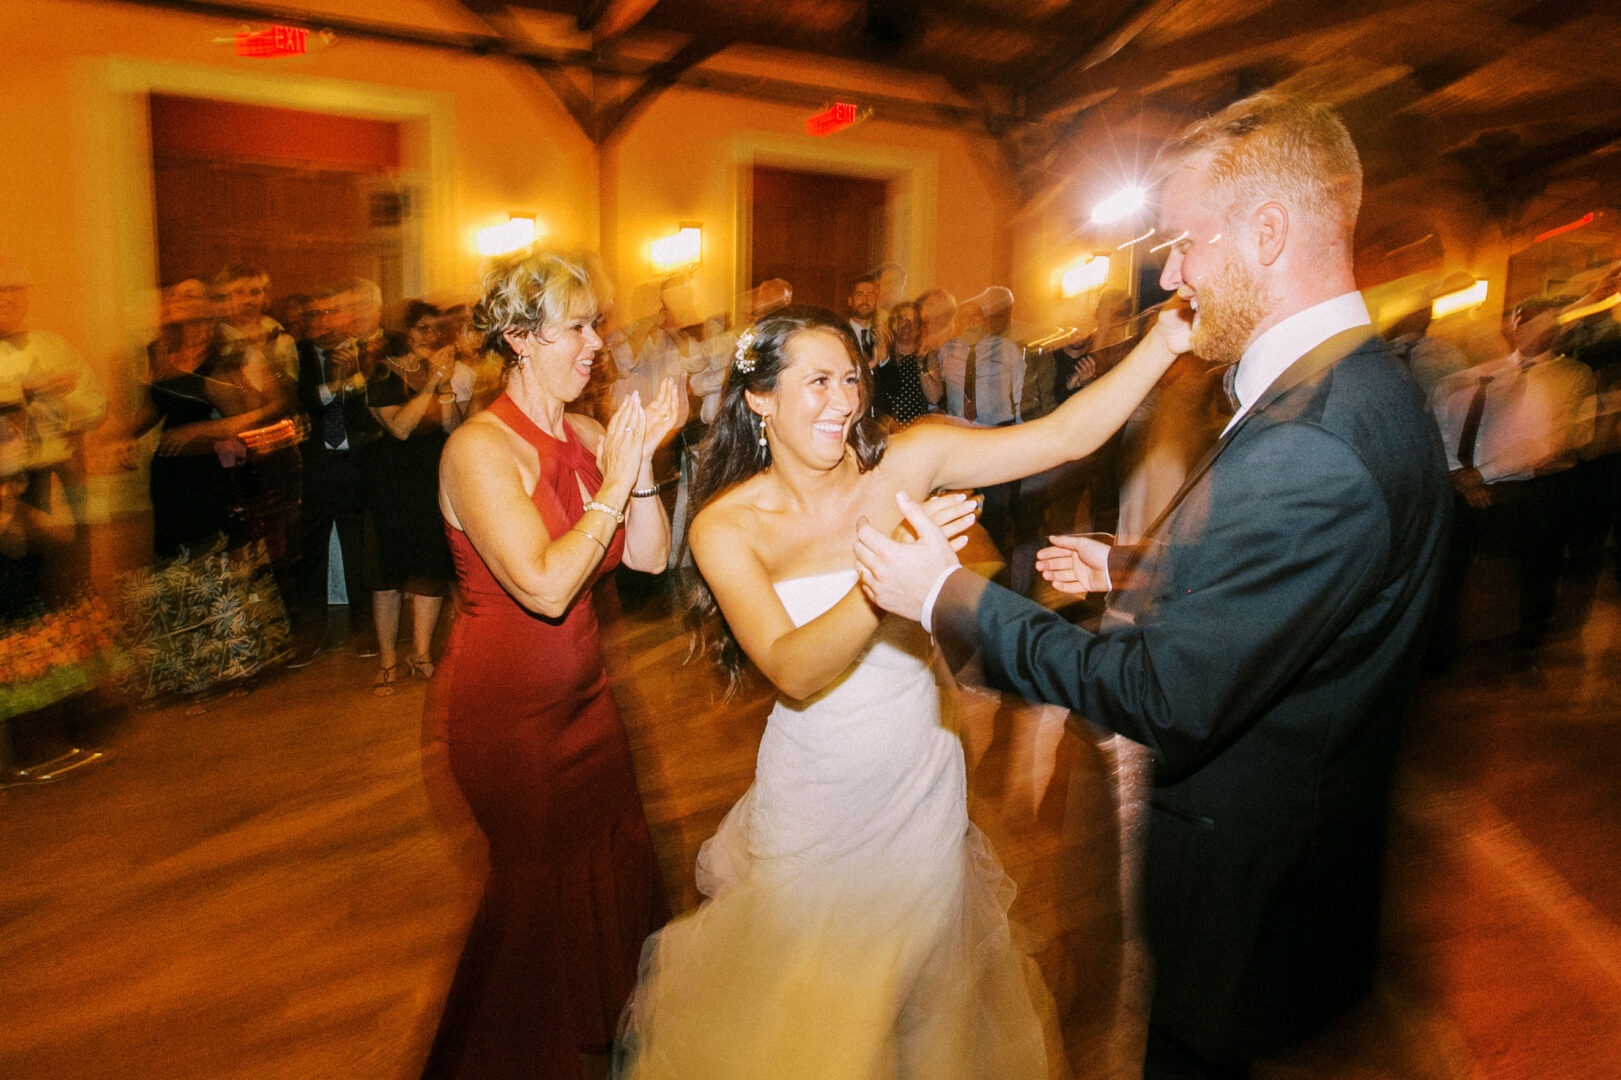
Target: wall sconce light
column 1462, row 300
column 681, row 250
column 519, row 232
column 1090, row 273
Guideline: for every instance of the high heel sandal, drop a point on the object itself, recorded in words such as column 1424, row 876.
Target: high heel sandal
column 383, row 684
column 421, row 666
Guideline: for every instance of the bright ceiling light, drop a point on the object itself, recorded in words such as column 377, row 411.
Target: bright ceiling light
column 1123, row 203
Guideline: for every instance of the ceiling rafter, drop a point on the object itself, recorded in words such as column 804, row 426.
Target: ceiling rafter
column 656, row 81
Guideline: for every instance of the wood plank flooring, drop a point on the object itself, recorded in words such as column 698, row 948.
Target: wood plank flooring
column 262, row 889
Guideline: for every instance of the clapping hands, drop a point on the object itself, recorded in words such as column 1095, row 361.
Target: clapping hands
column 665, row 415
column 620, row 453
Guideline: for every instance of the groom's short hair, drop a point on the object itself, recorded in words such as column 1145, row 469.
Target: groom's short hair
column 1274, row 145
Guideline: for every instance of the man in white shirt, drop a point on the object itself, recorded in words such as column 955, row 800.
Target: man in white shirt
column 862, row 304
column 45, row 382
column 982, row 345
column 1513, row 430
column 268, row 353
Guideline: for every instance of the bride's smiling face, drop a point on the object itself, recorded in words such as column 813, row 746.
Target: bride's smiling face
column 817, row 399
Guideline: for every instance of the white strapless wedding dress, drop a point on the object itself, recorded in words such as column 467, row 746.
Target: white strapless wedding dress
column 856, row 927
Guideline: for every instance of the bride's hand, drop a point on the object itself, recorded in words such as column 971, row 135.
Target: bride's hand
column 1175, row 325
column 619, row 454
column 954, row 512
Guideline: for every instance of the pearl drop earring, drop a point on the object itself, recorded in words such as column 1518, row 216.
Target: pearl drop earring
column 762, row 431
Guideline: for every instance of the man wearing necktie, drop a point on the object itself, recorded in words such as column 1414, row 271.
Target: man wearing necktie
column 332, row 392
column 863, row 306
column 1513, row 430
column 1262, row 641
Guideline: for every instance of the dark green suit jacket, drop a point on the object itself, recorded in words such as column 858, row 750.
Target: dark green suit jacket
column 1262, row 642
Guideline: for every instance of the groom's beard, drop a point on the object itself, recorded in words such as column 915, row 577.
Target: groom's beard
column 1231, row 304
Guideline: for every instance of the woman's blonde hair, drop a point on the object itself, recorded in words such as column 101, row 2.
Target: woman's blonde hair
column 533, row 291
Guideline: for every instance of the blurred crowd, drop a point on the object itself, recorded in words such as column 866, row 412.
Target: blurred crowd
column 271, row 423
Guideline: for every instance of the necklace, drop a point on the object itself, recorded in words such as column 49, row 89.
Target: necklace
column 399, row 365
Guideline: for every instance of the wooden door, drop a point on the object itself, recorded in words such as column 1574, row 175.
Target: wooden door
column 284, row 191
column 818, row 231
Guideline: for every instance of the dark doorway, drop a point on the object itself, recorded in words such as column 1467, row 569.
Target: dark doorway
column 310, row 198
column 819, row 231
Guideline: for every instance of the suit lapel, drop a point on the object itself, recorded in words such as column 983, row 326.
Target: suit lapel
column 1319, row 359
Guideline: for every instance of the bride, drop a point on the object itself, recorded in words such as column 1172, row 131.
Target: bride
column 857, row 921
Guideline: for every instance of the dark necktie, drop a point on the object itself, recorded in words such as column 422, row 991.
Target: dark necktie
column 866, row 342
column 333, row 433
column 970, row 377
column 1470, row 435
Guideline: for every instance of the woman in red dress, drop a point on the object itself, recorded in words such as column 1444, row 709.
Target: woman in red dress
column 534, row 499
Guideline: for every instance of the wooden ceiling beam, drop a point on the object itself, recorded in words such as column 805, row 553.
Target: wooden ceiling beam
column 657, row 80
column 1275, row 30
column 694, row 17
column 1086, row 55
column 607, row 19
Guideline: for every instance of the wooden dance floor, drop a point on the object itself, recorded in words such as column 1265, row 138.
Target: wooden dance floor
column 259, row 888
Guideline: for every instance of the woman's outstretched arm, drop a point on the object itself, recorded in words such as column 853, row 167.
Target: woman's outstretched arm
column 960, row 457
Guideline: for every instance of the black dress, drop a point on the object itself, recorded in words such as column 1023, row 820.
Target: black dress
column 402, row 485
column 191, row 493
column 899, row 388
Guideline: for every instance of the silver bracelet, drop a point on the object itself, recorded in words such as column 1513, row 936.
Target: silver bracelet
column 588, row 536
column 617, row 515
column 646, row 493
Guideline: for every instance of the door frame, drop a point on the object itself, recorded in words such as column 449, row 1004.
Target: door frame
column 117, row 150
column 913, row 177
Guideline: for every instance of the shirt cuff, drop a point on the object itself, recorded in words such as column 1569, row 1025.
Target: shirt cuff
column 926, row 617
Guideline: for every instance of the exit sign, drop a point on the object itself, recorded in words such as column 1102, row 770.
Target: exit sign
column 273, row 41
column 836, row 117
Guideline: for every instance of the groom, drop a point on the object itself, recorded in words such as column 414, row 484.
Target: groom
column 1263, row 638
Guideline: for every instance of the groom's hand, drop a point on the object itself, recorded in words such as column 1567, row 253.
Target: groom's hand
column 897, row 575
column 1075, row 564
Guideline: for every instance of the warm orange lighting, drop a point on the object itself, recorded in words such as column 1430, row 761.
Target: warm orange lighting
column 1462, row 300
column 519, row 231
column 681, row 250
column 1090, row 273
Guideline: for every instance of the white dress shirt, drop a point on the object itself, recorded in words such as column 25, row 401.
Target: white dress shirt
column 1538, row 415
column 1276, row 350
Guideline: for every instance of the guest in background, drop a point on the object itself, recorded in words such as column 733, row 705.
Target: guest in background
column 905, row 384
column 418, row 399
column 983, row 370
column 189, row 488
column 267, row 351
column 1514, row 430
column 862, row 305
column 521, row 710
column 62, row 401
column 332, row 393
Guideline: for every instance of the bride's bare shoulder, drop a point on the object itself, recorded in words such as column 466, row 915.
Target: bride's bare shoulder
column 731, row 511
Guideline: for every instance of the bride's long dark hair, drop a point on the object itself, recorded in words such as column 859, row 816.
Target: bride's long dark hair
column 731, row 453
